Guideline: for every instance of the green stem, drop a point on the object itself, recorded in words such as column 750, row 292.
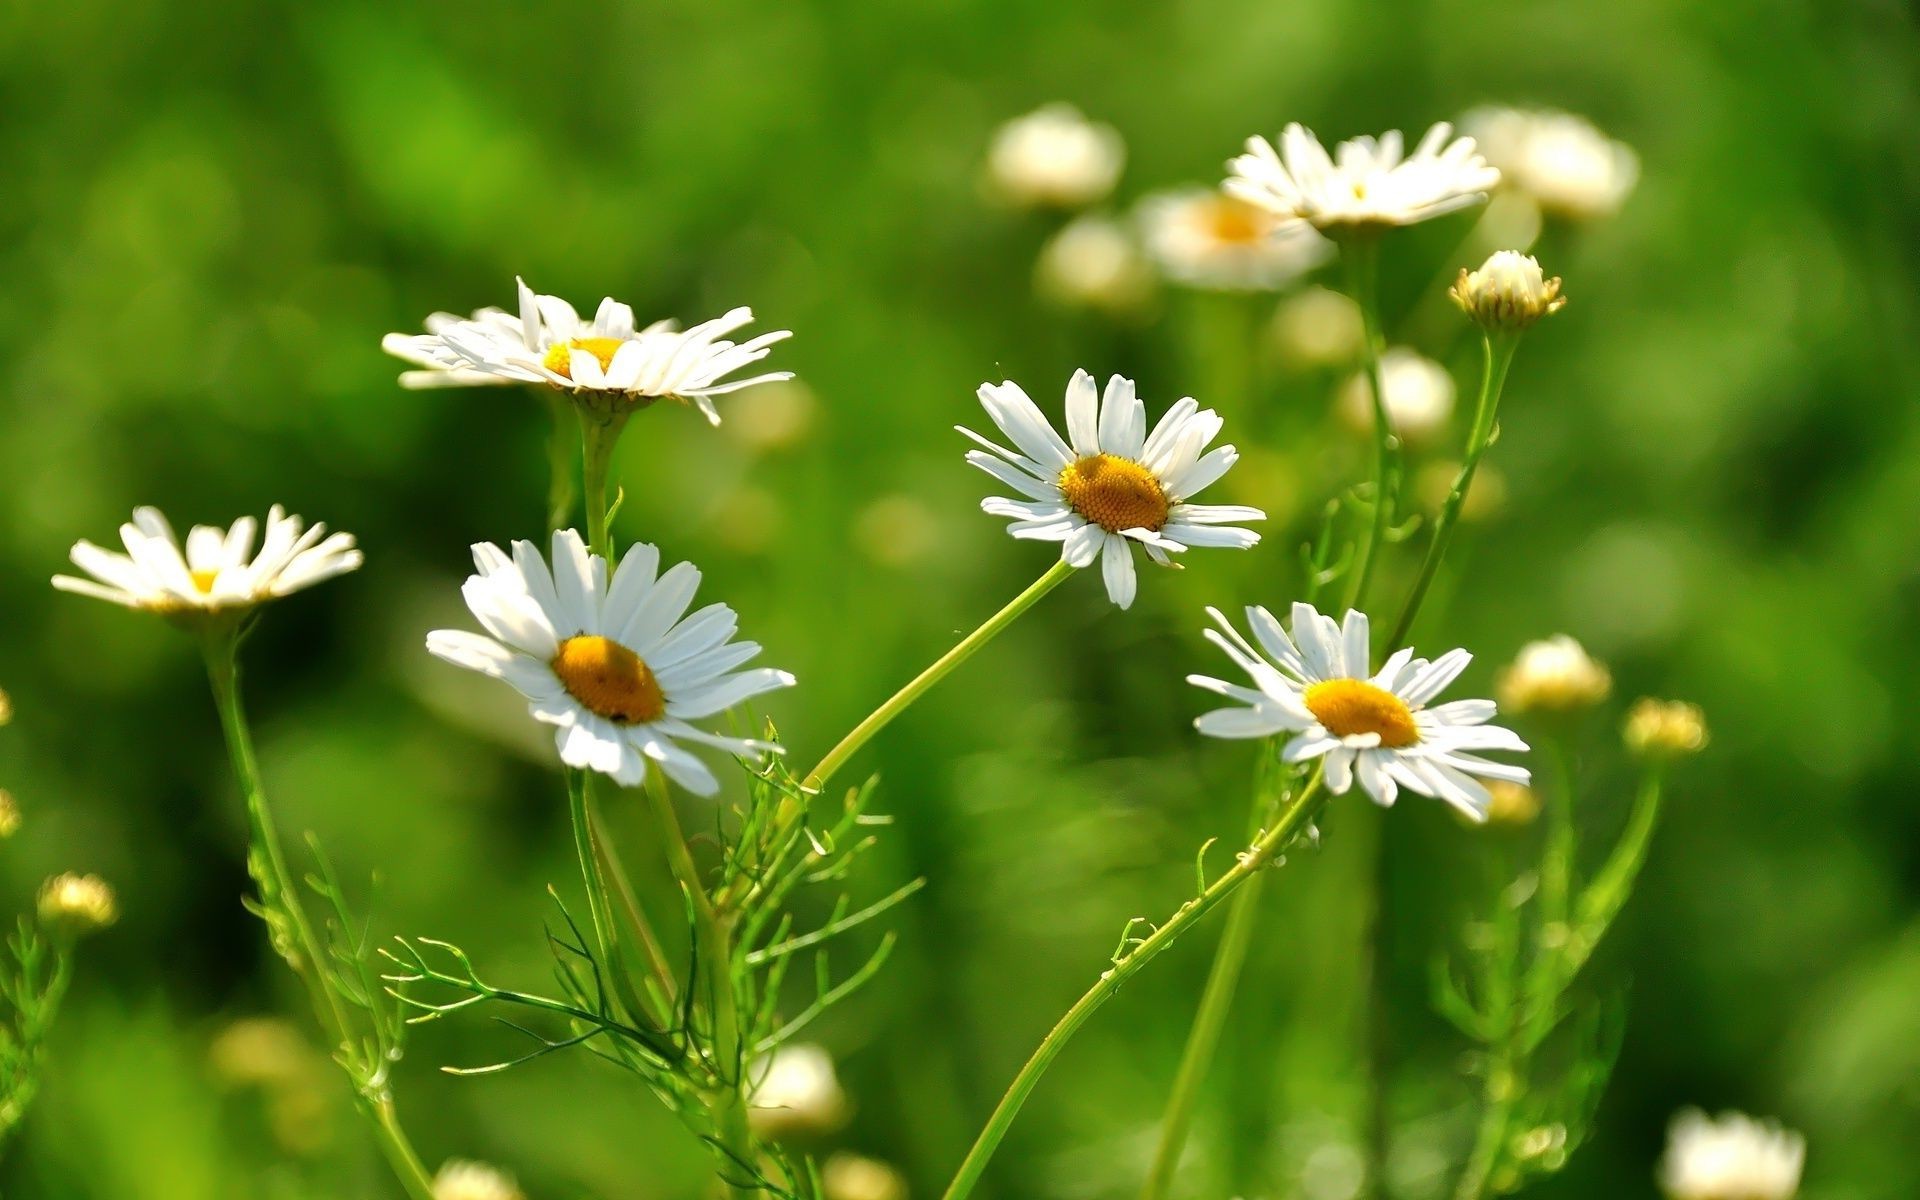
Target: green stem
column 1500, row 1091
column 278, row 896
column 1361, row 254
column 1377, row 1135
column 1497, row 356
column 587, row 848
column 562, row 443
column 726, row 1098
column 1128, row 963
column 599, row 434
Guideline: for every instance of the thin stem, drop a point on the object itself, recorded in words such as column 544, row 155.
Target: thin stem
column 278, row 895
column 1377, row 1135
column 599, row 434
column 587, row 849
column 1496, row 357
column 630, row 906
column 1361, row 254
column 1293, row 817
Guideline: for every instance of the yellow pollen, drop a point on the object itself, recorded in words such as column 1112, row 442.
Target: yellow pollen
column 1114, row 493
column 1352, row 706
column 609, row 679
column 203, row 580
column 559, row 358
column 1233, row 220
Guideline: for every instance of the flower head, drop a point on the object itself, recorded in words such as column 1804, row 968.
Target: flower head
column 1508, row 293
column 1732, row 1158
column 1514, row 804
column 1419, row 393
column 459, row 1179
column 1093, row 263
column 605, row 360
column 1366, row 183
column 614, row 664
column 847, row 1176
column 1055, row 157
column 72, row 906
column 216, row 572
column 1110, row 484
column 795, row 1090
column 1665, row 728
column 1558, row 160
column 1208, row 239
column 1554, row 675
column 1319, row 327
column 1378, row 727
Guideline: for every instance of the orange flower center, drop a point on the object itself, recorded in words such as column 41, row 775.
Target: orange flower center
column 609, row 679
column 1114, row 493
column 1352, row 706
column 559, row 357
column 1234, row 221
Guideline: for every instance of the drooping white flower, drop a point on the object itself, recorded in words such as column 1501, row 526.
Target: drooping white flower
column 216, row 572
column 1732, row 1158
column 459, row 1179
column 1110, row 484
column 1419, row 391
column 1508, row 293
column 1366, row 182
column 1558, row 160
column 614, row 664
column 795, row 1089
column 1092, row 262
column 1205, row 238
column 548, row 343
column 1379, row 727
column 1055, row 157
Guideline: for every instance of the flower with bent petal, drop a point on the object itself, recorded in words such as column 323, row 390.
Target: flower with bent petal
column 614, row 663
column 1110, row 484
column 1366, row 182
column 605, row 358
column 216, row 572
column 1375, row 727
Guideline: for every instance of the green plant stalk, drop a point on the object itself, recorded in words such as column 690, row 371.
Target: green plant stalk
column 1500, row 1090
column 1497, row 357
column 727, row 1100
column 221, row 645
column 599, row 435
column 587, row 848
column 1361, row 256
column 1292, row 818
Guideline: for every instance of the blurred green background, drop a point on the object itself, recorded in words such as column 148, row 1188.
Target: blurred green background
column 213, row 212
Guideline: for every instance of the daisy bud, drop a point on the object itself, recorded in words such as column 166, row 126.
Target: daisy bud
column 1055, row 157
column 1508, row 292
column 9, row 814
column 1555, row 675
column 854, row 1177
column 1732, row 1158
column 796, row 1092
column 1665, row 728
column 72, row 906
column 462, row 1180
column 1514, row 804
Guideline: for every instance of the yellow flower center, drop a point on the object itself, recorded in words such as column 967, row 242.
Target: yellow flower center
column 559, row 357
column 1114, row 493
column 203, row 580
column 1352, row 706
column 609, row 679
column 1234, row 221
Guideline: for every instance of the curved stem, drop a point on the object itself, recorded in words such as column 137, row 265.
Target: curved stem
column 1128, row 963
column 1496, row 357
column 1361, row 254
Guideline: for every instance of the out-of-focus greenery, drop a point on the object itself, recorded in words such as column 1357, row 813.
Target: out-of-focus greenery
column 213, row 211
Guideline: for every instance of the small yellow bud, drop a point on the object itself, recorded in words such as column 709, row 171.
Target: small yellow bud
column 462, row 1180
column 1508, row 292
column 9, row 814
column 1665, row 728
column 1555, row 675
column 853, row 1177
column 73, row 906
column 1514, row 804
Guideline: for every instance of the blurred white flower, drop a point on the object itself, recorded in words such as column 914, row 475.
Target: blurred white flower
column 1093, row 263
column 1665, row 728
column 72, row 905
column 1732, row 1158
column 1366, row 182
column 462, row 1180
column 1419, row 395
column 1554, row 675
column 1055, row 157
column 1111, row 484
column 1561, row 161
column 217, row 572
column 855, row 1177
column 1372, row 726
column 1319, row 327
column 1508, row 292
column 614, row 664
column 795, row 1090
column 549, row 344
column 1205, row 238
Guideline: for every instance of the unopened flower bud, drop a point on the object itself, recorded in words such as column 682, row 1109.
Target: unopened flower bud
column 72, row 906
column 1514, row 804
column 1508, row 292
column 854, row 1177
column 462, row 1180
column 1665, row 728
column 795, row 1091
column 1555, row 675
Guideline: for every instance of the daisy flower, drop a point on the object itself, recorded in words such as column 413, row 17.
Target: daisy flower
column 1111, row 484
column 1556, row 159
column 614, row 664
column 216, row 572
column 1055, row 157
column 1366, row 182
column 1376, row 728
column 606, row 357
column 1732, row 1158
column 1205, row 238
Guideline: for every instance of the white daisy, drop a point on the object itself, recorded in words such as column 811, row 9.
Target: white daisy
column 1205, row 238
column 1055, row 157
column 1366, row 182
column 1557, row 159
column 606, row 357
column 218, row 570
column 1732, row 1158
column 1420, row 395
column 463, row 1180
column 1111, row 483
column 612, row 664
column 1376, row 727
column 795, row 1089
